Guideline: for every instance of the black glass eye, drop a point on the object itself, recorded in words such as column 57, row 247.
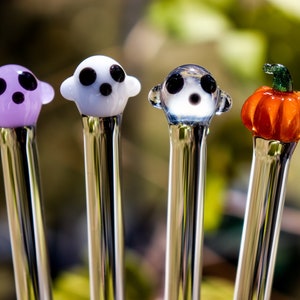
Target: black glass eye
column 117, row 73
column 208, row 84
column 87, row 76
column 105, row 89
column 27, row 81
column 2, row 86
column 174, row 83
column 18, row 97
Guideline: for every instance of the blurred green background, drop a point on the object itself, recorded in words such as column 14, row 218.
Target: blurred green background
column 232, row 39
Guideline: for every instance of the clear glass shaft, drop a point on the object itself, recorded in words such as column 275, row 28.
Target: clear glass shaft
column 265, row 203
column 26, row 224
column 104, row 207
column 185, row 211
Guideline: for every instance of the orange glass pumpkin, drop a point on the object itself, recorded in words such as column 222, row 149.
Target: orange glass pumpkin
column 274, row 113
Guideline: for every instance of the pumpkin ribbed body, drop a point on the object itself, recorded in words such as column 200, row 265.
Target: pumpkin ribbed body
column 273, row 115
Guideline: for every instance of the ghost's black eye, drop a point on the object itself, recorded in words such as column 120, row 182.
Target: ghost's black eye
column 87, row 76
column 105, row 89
column 2, row 86
column 174, row 83
column 18, row 97
column 208, row 84
column 27, row 81
column 117, row 73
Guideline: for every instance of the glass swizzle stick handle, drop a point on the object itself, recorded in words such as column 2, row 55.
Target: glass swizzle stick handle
column 185, row 211
column 190, row 98
column 101, row 88
column 104, row 207
column 22, row 188
column 263, row 217
column 272, row 114
column 22, row 96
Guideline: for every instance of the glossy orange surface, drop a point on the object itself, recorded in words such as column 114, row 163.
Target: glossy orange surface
column 273, row 115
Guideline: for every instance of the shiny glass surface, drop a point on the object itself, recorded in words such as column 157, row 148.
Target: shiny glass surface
column 21, row 96
column 185, row 211
column 265, row 202
column 100, row 87
column 190, row 95
column 104, row 207
column 25, row 217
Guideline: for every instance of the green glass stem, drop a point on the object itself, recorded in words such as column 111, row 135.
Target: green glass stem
column 104, row 207
column 185, row 211
column 25, row 218
column 282, row 79
column 265, row 203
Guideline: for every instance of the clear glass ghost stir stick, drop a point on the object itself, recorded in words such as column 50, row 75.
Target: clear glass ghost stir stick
column 101, row 100
column 22, row 186
column 271, row 115
column 189, row 97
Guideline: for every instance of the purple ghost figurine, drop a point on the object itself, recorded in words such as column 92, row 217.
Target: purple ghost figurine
column 21, row 96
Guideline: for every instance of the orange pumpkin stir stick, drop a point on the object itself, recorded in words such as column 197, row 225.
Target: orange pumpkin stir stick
column 273, row 117
column 274, row 113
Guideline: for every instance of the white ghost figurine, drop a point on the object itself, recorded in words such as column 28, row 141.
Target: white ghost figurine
column 100, row 87
column 190, row 95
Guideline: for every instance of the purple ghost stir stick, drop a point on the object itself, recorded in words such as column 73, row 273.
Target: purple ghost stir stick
column 21, row 98
column 190, row 97
column 101, row 88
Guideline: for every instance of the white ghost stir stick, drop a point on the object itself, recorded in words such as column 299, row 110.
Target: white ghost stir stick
column 190, row 98
column 21, row 98
column 101, row 88
column 272, row 115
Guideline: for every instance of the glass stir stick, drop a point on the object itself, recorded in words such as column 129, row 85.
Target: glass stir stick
column 22, row 96
column 272, row 114
column 185, row 210
column 190, row 98
column 101, row 89
column 104, row 207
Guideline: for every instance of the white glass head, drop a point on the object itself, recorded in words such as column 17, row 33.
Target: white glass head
column 190, row 95
column 100, row 87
